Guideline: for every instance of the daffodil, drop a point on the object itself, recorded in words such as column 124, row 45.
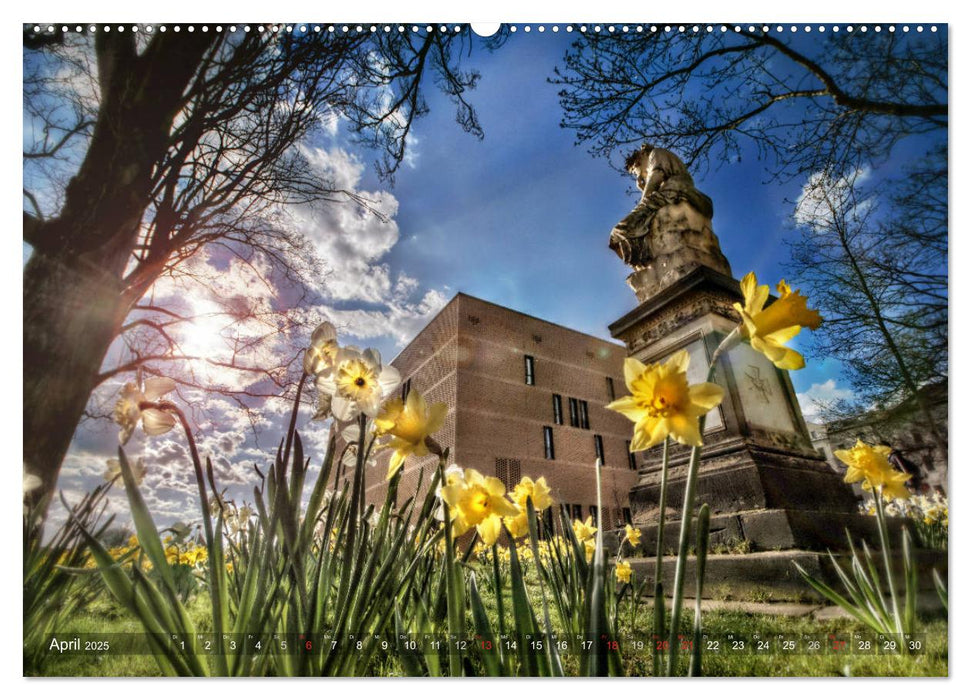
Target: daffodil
column 633, row 535
column 768, row 329
column 584, row 530
column 662, row 404
column 623, row 571
column 477, row 501
column 359, row 383
column 870, row 464
column 411, row 428
column 539, row 491
column 128, row 409
column 114, row 470
column 32, row 482
column 319, row 357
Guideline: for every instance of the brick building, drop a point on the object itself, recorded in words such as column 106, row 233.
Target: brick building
column 526, row 398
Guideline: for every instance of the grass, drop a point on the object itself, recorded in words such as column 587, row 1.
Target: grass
column 104, row 616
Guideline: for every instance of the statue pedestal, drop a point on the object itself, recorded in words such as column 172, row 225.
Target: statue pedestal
column 765, row 483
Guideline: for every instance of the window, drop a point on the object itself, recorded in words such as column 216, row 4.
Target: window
column 598, row 447
column 574, row 413
column 548, row 442
column 596, row 517
column 631, row 457
column 508, row 471
column 530, row 370
column 584, row 417
column 627, row 516
column 610, row 388
column 577, row 511
column 405, row 389
column 557, row 409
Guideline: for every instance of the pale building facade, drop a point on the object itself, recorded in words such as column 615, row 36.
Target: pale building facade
column 526, row 398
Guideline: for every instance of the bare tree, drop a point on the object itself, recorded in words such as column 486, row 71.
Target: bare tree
column 878, row 274
column 807, row 104
column 182, row 143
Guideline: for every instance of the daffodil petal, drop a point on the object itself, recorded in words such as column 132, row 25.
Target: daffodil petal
column 157, row 387
column 706, row 395
column 156, row 422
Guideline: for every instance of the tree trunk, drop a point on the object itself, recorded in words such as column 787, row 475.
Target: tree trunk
column 71, row 316
column 75, row 297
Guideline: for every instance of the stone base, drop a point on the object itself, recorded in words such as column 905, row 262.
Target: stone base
column 738, row 476
column 773, row 530
column 771, row 576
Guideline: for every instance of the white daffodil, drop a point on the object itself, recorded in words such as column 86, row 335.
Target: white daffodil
column 358, row 383
column 128, row 411
column 319, row 357
column 32, row 482
column 114, row 470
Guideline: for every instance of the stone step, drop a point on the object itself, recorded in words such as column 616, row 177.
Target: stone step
column 772, row 576
column 772, row 530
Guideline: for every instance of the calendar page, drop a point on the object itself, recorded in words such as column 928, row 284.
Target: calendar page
column 523, row 350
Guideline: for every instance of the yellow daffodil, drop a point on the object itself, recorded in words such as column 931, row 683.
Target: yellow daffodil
column 114, row 470
column 128, row 409
column 358, row 384
column 870, row 464
column 623, row 571
column 539, row 491
column 769, row 329
column 477, row 501
column 662, row 404
column 319, row 357
column 633, row 535
column 590, row 548
column 412, row 426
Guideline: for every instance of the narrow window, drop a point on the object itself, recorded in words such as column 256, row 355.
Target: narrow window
column 627, row 516
column 610, row 388
column 584, row 416
column 577, row 511
column 631, row 457
column 596, row 516
column 557, row 409
column 548, row 442
column 530, row 370
column 574, row 413
column 598, row 446
column 405, row 389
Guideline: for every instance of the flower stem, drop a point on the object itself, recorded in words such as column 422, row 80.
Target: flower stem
column 659, row 558
column 687, row 512
column 885, row 546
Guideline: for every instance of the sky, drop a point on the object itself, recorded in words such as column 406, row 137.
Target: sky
column 520, row 218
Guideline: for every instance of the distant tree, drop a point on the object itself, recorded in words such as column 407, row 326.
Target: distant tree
column 808, row 103
column 149, row 148
column 874, row 260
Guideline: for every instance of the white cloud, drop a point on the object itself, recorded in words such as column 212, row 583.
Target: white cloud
column 824, row 197
column 351, row 237
column 819, row 396
column 400, row 320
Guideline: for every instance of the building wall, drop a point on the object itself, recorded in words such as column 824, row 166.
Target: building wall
column 472, row 356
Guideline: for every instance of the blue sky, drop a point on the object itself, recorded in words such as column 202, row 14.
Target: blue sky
column 522, row 217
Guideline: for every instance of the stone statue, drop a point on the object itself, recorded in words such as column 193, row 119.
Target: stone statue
column 663, row 181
